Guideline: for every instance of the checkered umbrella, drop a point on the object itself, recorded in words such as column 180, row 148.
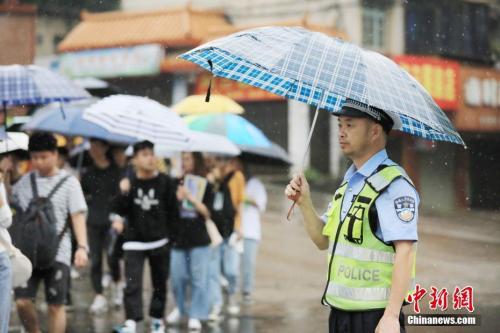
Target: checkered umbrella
column 322, row 71
column 30, row 84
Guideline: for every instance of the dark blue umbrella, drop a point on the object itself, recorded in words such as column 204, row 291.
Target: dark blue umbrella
column 50, row 119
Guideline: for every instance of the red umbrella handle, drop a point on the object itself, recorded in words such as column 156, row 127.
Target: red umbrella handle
column 290, row 211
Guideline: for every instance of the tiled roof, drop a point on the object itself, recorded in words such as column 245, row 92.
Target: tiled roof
column 217, row 32
column 177, row 27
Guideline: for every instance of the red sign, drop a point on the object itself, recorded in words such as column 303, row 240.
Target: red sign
column 462, row 298
column 233, row 89
column 438, row 76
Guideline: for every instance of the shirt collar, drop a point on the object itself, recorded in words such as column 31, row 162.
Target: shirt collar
column 369, row 167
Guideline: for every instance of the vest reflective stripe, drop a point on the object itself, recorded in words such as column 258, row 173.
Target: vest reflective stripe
column 358, row 294
column 361, row 294
column 379, row 182
column 360, row 253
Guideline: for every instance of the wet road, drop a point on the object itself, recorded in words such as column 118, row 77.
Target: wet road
column 453, row 251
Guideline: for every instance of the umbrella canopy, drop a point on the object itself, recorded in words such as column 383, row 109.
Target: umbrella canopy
column 196, row 104
column 323, row 71
column 50, row 119
column 141, row 118
column 30, row 84
column 203, row 143
column 240, row 131
column 14, row 141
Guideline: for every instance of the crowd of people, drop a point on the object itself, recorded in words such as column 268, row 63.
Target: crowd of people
column 199, row 232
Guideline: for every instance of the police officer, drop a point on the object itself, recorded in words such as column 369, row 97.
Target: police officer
column 369, row 228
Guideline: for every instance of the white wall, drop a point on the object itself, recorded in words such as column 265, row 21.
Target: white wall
column 48, row 28
column 298, row 130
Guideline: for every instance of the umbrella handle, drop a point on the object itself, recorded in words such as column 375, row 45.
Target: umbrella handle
column 290, row 211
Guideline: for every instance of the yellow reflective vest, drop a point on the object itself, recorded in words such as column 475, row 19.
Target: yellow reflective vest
column 359, row 263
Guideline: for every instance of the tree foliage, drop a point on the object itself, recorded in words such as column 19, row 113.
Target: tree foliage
column 72, row 8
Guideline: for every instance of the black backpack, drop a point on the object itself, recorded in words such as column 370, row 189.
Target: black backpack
column 34, row 231
column 222, row 210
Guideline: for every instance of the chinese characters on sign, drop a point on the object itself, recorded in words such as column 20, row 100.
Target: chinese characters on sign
column 462, row 298
column 480, row 100
column 482, row 92
column 439, row 77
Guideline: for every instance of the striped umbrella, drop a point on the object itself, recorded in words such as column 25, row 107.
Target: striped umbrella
column 141, row 118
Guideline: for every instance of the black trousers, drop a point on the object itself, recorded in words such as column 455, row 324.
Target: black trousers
column 358, row 321
column 98, row 241
column 159, row 262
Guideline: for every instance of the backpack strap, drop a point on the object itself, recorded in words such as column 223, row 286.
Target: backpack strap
column 51, row 194
column 34, row 187
column 58, row 185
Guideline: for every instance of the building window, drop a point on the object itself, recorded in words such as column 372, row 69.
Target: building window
column 374, row 28
column 464, row 35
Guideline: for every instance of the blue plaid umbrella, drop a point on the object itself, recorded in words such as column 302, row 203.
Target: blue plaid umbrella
column 22, row 85
column 30, row 84
column 322, row 71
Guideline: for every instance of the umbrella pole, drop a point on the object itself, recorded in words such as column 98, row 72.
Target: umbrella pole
column 79, row 162
column 62, row 110
column 306, row 150
column 5, row 125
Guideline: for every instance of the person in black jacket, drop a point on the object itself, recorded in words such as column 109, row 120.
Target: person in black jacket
column 148, row 203
column 100, row 185
column 191, row 252
column 222, row 213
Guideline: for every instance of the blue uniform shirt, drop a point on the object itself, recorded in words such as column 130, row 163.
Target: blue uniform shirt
column 392, row 225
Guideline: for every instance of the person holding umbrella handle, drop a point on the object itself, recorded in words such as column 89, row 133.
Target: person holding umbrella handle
column 369, row 228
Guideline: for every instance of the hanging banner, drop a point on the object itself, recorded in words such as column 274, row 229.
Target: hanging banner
column 114, row 62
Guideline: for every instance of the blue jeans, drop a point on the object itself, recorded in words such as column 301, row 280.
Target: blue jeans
column 249, row 260
column 5, row 291
column 189, row 267
column 230, row 265
column 214, row 287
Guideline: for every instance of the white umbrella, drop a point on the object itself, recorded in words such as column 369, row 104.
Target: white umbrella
column 141, row 118
column 200, row 142
column 14, row 141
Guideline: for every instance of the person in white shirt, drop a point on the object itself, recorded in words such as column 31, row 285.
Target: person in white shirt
column 5, row 267
column 254, row 205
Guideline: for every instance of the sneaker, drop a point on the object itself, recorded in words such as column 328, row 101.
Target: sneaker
column 247, row 299
column 128, row 327
column 194, row 324
column 224, row 283
column 74, row 273
column 233, row 308
column 117, row 294
column 106, row 281
column 216, row 313
column 174, row 318
column 157, row 326
column 99, row 305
